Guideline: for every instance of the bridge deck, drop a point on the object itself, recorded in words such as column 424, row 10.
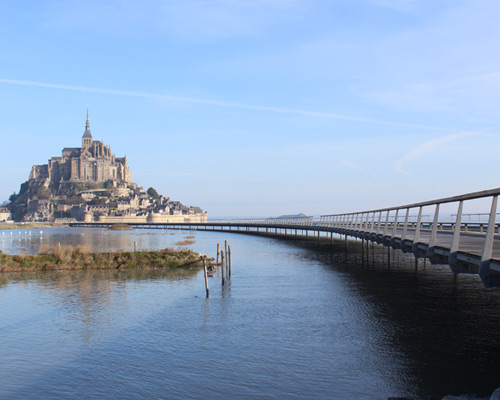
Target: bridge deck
column 471, row 243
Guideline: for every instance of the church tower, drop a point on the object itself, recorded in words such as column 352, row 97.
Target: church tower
column 87, row 135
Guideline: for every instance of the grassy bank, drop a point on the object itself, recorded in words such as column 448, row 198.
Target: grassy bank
column 34, row 225
column 76, row 258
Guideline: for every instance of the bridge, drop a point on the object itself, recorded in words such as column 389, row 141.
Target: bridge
column 471, row 246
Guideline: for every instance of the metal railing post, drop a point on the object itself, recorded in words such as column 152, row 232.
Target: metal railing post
column 432, row 241
column 379, row 222
column 395, row 227
column 405, row 228
column 386, row 223
column 484, row 267
column 416, row 237
column 372, row 225
column 452, row 258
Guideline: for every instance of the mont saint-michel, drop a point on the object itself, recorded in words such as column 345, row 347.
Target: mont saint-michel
column 89, row 183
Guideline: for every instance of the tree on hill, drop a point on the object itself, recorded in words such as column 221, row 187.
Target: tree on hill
column 153, row 193
column 43, row 193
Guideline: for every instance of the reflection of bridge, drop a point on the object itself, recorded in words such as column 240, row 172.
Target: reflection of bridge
column 468, row 247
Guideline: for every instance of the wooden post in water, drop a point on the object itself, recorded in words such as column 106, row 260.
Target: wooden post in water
column 206, row 276
column 222, row 267
column 218, row 252
column 229, row 260
column 135, row 247
column 225, row 252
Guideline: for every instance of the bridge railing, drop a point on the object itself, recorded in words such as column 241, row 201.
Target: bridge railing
column 381, row 220
column 385, row 222
column 296, row 221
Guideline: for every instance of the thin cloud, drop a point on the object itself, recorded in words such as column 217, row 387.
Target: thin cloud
column 351, row 165
column 222, row 104
column 430, row 146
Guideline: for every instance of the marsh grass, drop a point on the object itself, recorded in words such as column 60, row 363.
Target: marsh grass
column 80, row 258
column 185, row 242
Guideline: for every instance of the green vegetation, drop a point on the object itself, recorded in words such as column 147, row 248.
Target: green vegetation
column 153, row 193
column 18, row 213
column 185, row 242
column 72, row 200
column 98, row 201
column 77, row 258
column 120, row 227
column 71, row 189
column 43, row 193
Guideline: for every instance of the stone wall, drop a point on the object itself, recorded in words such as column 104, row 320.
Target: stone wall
column 154, row 218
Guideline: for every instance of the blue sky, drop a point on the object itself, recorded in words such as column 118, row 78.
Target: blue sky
column 257, row 108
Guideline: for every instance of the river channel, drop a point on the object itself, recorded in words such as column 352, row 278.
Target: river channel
column 295, row 321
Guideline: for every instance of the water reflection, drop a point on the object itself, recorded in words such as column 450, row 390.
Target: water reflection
column 441, row 335
column 95, row 240
column 88, row 300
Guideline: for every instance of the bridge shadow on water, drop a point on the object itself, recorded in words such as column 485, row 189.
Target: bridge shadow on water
column 445, row 331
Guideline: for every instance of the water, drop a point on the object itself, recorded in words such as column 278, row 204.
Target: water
column 295, row 321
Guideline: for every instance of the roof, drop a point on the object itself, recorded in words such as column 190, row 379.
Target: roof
column 87, row 134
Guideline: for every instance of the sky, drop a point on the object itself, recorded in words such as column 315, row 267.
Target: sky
column 260, row 108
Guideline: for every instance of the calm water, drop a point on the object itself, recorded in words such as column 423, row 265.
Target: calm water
column 295, row 321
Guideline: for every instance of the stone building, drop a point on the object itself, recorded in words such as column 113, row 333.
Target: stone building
column 4, row 214
column 93, row 162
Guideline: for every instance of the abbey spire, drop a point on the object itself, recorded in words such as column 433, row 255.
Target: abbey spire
column 87, row 135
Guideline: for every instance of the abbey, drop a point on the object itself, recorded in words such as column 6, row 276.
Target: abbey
column 89, row 183
column 93, row 163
